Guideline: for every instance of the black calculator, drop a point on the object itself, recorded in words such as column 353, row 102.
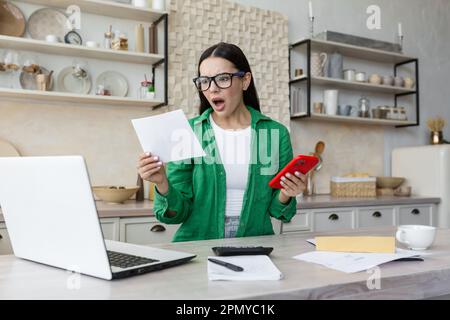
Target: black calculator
column 242, row 251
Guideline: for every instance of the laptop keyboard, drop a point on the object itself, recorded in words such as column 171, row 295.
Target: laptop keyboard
column 123, row 260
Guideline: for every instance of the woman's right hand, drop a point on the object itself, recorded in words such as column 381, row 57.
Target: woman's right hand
column 151, row 169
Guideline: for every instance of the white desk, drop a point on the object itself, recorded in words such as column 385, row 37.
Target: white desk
column 21, row 279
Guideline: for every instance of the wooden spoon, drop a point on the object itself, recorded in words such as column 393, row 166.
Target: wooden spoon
column 320, row 147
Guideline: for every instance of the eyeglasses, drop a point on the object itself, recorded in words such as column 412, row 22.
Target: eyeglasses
column 222, row 80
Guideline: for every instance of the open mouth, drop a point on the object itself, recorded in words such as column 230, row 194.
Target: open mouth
column 218, row 103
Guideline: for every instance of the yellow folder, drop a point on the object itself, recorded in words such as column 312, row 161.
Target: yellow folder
column 356, row 244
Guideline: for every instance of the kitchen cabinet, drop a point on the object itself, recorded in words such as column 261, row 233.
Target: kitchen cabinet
column 332, row 219
column 111, row 228
column 137, row 230
column 416, row 215
column 306, row 89
column 376, row 217
column 145, row 231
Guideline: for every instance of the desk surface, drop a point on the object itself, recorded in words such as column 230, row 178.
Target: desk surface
column 20, row 279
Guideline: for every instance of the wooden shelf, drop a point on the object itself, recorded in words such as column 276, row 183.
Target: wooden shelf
column 344, row 84
column 369, row 121
column 78, row 51
column 357, row 51
column 298, row 79
column 105, row 8
column 79, row 99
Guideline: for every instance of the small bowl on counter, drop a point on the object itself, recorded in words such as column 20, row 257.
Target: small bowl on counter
column 389, row 182
column 114, row 194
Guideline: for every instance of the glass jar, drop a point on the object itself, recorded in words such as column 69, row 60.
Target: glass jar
column 120, row 41
column 364, row 108
column 107, row 44
column 147, row 90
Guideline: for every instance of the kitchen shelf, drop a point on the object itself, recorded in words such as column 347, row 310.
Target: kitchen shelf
column 344, row 84
column 356, row 51
column 298, row 79
column 332, row 118
column 55, row 96
column 398, row 60
column 79, row 51
column 105, row 8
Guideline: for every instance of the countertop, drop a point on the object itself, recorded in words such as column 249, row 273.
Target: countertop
column 22, row 279
column 132, row 208
column 327, row 201
column 129, row 208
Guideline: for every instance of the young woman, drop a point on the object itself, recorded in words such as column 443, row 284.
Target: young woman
column 226, row 193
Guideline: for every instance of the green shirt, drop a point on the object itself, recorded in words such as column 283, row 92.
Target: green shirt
column 197, row 186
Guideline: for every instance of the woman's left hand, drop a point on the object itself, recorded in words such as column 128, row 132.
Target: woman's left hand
column 293, row 185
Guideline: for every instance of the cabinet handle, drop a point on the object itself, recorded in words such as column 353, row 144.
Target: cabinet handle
column 333, row 217
column 377, row 214
column 157, row 228
column 415, row 211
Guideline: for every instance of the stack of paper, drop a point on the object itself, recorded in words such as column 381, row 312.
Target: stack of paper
column 350, row 262
column 257, row 267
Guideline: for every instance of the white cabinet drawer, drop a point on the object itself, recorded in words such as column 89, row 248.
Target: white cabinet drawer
column 145, row 231
column 5, row 244
column 333, row 220
column 111, row 228
column 415, row 215
column 300, row 222
column 376, row 217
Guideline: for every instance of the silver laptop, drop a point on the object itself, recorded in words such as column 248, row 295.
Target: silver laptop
column 51, row 218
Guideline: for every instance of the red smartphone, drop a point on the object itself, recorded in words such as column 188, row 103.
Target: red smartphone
column 300, row 163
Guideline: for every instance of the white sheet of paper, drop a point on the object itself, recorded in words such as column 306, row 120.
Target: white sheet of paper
column 257, row 267
column 350, row 262
column 169, row 136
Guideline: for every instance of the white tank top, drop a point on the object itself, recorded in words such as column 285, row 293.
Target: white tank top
column 234, row 150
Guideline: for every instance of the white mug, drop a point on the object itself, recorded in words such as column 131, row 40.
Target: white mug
column 92, row 44
column 416, row 237
column 330, row 101
column 51, row 38
column 159, row 5
column 140, row 3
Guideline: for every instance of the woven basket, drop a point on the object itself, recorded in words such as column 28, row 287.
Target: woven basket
column 353, row 187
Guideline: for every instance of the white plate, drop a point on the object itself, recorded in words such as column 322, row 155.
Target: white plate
column 115, row 81
column 68, row 83
column 47, row 21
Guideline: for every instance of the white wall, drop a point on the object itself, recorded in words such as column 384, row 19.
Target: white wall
column 426, row 29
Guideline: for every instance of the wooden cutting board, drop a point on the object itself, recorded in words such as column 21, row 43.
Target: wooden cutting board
column 7, row 149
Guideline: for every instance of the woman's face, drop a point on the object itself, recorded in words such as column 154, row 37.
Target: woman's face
column 224, row 101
